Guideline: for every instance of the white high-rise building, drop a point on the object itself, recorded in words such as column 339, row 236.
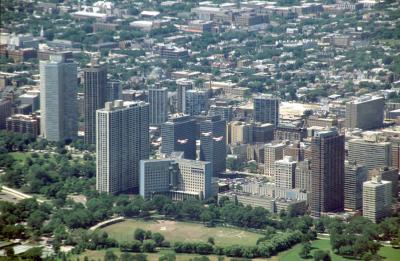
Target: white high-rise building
column 158, row 100
column 122, row 140
column 272, row 153
column 58, row 99
column 285, row 172
column 377, row 196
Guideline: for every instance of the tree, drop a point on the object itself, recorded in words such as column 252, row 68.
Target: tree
column 305, row 250
column 139, row 234
column 33, row 254
column 110, row 256
column 131, row 246
column 158, row 239
column 320, row 255
column 148, row 246
column 211, row 241
column 126, row 257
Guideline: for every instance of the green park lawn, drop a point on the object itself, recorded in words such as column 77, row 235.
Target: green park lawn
column 388, row 253
column 182, row 231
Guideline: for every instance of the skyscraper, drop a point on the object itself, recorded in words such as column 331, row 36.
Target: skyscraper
column 302, row 175
column 376, row 199
column 182, row 85
column 285, row 172
column 266, row 109
column 113, row 91
column 327, row 172
column 196, row 102
column 95, row 75
column 122, row 140
column 158, row 100
column 272, row 153
column 354, row 177
column 178, row 134
column 58, row 99
column 5, row 112
column 213, row 143
column 365, row 113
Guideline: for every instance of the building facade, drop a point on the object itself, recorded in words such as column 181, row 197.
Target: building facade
column 213, row 143
column 58, row 99
column 95, row 84
column 178, row 134
column 365, row 113
column 266, row 109
column 158, row 100
column 327, row 172
column 122, row 140
column 354, row 177
column 376, row 199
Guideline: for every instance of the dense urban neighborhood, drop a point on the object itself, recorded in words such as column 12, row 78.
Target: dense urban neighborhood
column 213, row 130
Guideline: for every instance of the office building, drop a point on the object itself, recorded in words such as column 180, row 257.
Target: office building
column 182, row 85
column 371, row 154
column 290, row 132
column 263, row 133
column 239, row 132
column 327, row 172
column 31, row 98
column 23, row 124
column 272, row 153
column 226, row 112
column 95, row 84
column 196, row 102
column 58, row 99
column 365, row 113
column 113, row 91
column 176, row 178
column 158, row 100
column 122, row 140
column 354, row 177
column 388, row 174
column 213, row 143
column 285, row 172
column 178, row 134
column 302, row 177
column 5, row 112
column 266, row 109
column 295, row 150
column 396, row 153
column 377, row 198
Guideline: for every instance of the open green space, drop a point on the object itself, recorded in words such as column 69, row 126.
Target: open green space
column 388, row 253
column 182, row 231
column 19, row 156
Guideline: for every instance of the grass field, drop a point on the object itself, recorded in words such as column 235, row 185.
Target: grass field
column 389, row 253
column 181, row 231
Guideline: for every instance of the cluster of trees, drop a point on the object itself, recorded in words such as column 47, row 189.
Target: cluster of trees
column 144, row 241
column 264, row 248
column 53, row 175
column 355, row 239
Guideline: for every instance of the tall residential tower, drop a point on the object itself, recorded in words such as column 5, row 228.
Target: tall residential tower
column 122, row 140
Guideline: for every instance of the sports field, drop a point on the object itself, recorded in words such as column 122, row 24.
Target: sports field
column 182, row 231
